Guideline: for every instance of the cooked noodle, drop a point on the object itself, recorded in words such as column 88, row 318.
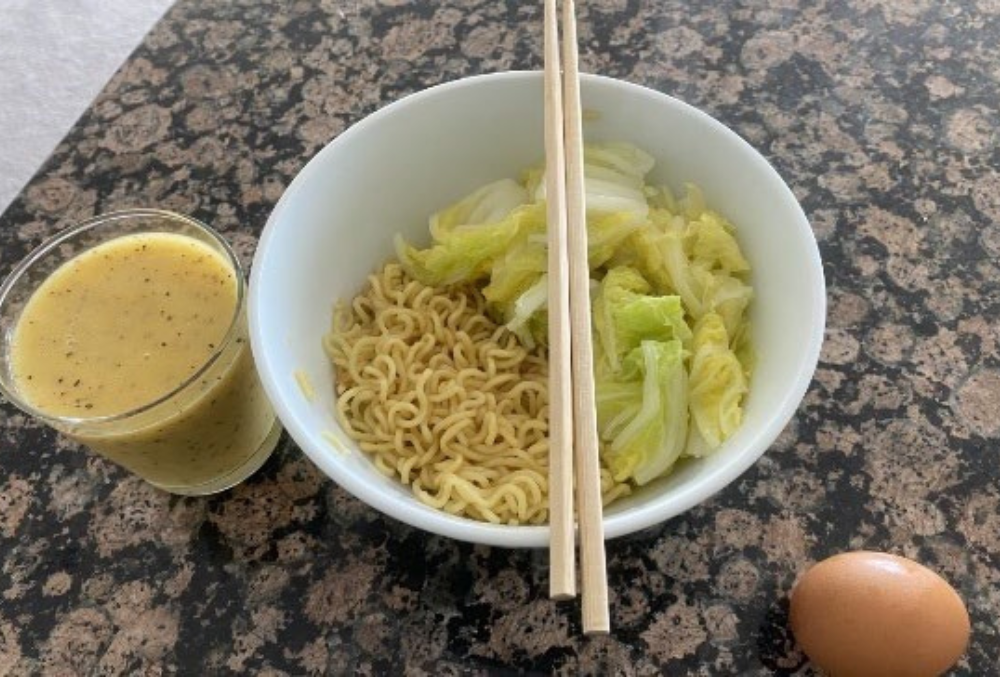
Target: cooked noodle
column 445, row 399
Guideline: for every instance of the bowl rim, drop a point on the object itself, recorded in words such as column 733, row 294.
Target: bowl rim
column 655, row 511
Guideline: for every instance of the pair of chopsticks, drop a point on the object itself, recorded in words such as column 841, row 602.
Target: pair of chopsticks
column 573, row 417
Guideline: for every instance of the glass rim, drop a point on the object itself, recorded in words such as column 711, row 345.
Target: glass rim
column 61, row 237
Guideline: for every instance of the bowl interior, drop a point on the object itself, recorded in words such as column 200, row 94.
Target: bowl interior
column 387, row 174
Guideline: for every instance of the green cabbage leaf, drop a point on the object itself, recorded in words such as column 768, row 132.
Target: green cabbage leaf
column 642, row 411
column 625, row 314
column 467, row 252
column 718, row 384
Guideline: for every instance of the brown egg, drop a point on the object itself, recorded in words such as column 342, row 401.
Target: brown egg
column 871, row 614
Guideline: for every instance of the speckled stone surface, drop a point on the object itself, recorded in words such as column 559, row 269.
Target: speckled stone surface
column 882, row 117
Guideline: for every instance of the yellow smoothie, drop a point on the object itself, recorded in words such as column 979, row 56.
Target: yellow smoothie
column 118, row 328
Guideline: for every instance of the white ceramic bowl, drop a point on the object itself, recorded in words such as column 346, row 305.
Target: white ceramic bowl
column 385, row 175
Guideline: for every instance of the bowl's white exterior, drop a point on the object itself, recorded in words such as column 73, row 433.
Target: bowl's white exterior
column 335, row 223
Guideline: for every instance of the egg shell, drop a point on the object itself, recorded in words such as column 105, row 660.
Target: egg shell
column 868, row 614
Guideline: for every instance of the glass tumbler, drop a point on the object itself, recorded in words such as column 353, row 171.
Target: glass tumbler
column 214, row 428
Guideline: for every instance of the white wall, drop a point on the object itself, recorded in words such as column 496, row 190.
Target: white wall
column 55, row 56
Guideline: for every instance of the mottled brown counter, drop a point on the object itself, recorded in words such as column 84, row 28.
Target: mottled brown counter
column 882, row 117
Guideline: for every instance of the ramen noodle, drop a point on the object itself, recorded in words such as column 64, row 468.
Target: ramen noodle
column 445, row 399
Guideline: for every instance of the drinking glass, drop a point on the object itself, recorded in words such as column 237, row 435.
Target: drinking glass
column 210, row 432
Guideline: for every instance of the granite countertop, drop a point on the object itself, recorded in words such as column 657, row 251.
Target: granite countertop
column 880, row 115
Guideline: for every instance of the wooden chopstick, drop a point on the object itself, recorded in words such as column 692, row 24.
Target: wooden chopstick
column 572, row 412
column 594, row 579
column 562, row 563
